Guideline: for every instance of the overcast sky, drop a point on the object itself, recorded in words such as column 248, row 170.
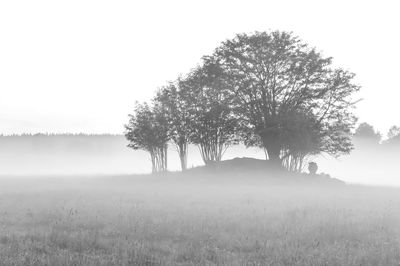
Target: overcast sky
column 79, row 66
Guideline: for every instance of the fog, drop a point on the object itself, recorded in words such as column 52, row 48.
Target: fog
column 208, row 220
column 68, row 154
column 61, row 155
column 68, row 200
column 33, row 155
column 369, row 163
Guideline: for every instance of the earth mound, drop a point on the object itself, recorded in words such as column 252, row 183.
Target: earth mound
column 245, row 168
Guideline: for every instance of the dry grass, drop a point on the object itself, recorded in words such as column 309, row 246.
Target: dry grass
column 179, row 222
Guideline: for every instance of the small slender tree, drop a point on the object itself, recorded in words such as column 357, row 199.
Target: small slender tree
column 174, row 103
column 148, row 130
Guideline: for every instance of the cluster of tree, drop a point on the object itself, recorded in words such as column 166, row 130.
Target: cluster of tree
column 366, row 133
column 267, row 89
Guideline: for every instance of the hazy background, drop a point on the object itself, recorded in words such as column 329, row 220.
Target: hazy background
column 93, row 155
column 79, row 66
column 88, row 155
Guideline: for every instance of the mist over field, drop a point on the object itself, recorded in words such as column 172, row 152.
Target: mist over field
column 88, row 155
column 369, row 163
column 69, row 154
column 202, row 219
column 58, row 155
column 84, row 200
column 199, row 133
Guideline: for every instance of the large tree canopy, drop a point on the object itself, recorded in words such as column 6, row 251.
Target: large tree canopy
column 283, row 91
column 270, row 90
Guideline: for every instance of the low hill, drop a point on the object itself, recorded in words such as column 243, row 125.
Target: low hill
column 245, row 169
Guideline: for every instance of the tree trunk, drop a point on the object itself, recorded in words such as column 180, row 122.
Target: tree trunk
column 211, row 152
column 159, row 159
column 273, row 150
column 274, row 158
column 153, row 162
column 183, row 151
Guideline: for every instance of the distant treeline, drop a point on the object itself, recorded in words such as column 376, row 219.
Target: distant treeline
column 366, row 135
column 35, row 154
column 57, row 134
column 86, row 143
column 374, row 159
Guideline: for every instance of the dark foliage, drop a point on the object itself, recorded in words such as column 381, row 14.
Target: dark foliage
column 269, row 90
column 275, row 78
column 148, row 130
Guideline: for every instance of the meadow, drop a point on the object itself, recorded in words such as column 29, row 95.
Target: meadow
column 175, row 220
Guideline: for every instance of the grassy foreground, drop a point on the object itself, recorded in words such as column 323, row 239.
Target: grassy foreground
column 201, row 221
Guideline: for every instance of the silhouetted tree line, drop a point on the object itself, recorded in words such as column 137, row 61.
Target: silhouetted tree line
column 58, row 135
column 48, row 142
column 267, row 89
column 366, row 134
column 66, row 154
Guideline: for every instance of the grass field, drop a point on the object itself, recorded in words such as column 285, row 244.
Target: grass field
column 202, row 221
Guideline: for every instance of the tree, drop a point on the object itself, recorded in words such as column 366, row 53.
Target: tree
column 366, row 132
column 148, row 130
column 302, row 137
column 175, row 105
column 394, row 133
column 212, row 123
column 272, row 75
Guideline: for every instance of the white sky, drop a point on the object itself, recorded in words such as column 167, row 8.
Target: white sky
column 79, row 65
